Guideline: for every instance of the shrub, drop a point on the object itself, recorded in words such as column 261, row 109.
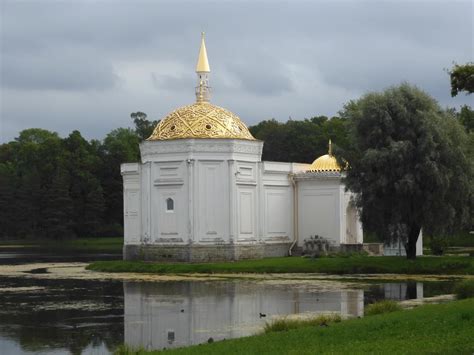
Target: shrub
column 438, row 245
column 464, row 289
column 285, row 324
column 385, row 306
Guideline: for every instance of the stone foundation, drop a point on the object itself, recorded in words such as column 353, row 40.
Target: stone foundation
column 203, row 252
column 374, row 248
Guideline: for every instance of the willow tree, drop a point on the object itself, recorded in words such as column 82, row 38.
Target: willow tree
column 408, row 166
column 462, row 78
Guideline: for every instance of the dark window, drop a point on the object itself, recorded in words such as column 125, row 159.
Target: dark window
column 169, row 204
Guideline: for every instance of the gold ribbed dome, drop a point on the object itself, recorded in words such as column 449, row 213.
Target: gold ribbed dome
column 325, row 162
column 201, row 120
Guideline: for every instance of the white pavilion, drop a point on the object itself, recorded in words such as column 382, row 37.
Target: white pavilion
column 202, row 193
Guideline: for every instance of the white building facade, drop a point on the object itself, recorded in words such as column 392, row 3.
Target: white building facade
column 202, row 193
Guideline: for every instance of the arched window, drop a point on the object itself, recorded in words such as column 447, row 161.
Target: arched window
column 169, row 205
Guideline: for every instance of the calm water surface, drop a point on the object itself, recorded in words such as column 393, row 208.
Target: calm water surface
column 50, row 316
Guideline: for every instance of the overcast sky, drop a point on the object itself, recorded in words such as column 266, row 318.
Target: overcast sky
column 87, row 65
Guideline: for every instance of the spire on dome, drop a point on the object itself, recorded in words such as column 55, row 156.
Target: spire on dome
column 202, row 65
column 203, row 90
column 330, row 148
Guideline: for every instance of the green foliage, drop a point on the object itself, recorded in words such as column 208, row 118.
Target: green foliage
column 408, row 166
column 449, row 265
column 464, row 289
column 127, row 350
column 60, row 188
column 143, row 127
column 438, row 244
column 84, row 245
column 300, row 141
column 462, row 78
column 430, row 329
column 120, row 146
column 466, row 117
column 57, row 213
column 463, row 239
column 285, row 324
column 385, row 306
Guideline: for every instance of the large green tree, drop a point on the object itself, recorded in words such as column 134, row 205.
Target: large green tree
column 462, row 78
column 143, row 127
column 408, row 166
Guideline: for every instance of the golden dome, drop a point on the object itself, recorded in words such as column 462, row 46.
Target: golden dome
column 325, row 162
column 201, row 120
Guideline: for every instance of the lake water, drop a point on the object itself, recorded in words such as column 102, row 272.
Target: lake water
column 62, row 316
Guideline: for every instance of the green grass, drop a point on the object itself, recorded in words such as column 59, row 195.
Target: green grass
column 97, row 245
column 431, row 329
column 465, row 289
column 448, row 265
column 385, row 306
column 462, row 239
column 285, row 324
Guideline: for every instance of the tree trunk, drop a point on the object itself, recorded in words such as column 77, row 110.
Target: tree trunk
column 410, row 247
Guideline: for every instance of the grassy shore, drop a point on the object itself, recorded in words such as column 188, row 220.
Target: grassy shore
column 84, row 245
column 435, row 329
column 451, row 265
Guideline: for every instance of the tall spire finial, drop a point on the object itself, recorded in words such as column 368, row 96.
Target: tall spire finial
column 202, row 65
column 202, row 70
column 330, row 148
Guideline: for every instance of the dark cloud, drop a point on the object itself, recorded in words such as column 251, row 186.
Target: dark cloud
column 86, row 64
column 263, row 76
column 57, row 70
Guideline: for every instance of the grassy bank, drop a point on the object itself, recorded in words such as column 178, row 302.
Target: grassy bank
column 437, row 329
column 451, row 265
column 95, row 245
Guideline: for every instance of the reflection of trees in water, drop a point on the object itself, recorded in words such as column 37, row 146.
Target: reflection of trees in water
column 407, row 290
column 41, row 320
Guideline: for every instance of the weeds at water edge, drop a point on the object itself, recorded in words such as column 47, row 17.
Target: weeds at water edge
column 464, row 289
column 285, row 324
column 385, row 306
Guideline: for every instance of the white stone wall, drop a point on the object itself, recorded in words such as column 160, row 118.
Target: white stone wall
column 325, row 209
column 132, row 206
column 218, row 192
column 320, row 210
column 213, row 185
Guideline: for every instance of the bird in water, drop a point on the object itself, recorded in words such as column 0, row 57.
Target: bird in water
column 262, row 315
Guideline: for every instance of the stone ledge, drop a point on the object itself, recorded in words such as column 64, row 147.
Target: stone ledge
column 204, row 253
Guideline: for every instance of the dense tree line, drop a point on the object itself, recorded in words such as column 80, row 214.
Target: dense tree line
column 53, row 187
column 300, row 141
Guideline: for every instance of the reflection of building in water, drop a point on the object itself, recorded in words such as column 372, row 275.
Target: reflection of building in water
column 159, row 315
column 403, row 291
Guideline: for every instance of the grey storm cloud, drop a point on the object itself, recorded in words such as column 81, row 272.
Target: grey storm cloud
column 87, row 64
column 57, row 70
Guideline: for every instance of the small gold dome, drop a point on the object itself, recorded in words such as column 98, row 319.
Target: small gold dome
column 201, row 120
column 325, row 162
